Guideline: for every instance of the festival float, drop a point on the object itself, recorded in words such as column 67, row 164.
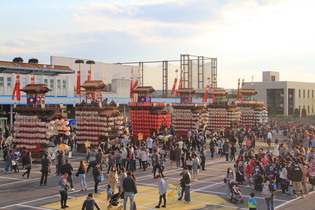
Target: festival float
column 252, row 112
column 222, row 114
column 187, row 115
column 36, row 123
column 147, row 118
column 97, row 120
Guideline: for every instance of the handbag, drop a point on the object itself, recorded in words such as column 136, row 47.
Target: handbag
column 77, row 174
column 100, row 177
column 13, row 163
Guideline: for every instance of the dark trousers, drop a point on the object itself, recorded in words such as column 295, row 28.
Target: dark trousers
column 258, row 184
column 212, row 152
column 227, row 156
column 157, row 166
column 163, row 196
column 27, row 172
column 203, row 162
column 70, row 180
column 43, row 178
column 144, row 165
column 95, row 187
column 64, row 198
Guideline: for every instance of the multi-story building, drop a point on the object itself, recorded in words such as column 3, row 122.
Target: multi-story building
column 283, row 97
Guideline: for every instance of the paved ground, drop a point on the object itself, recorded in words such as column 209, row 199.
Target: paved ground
column 207, row 193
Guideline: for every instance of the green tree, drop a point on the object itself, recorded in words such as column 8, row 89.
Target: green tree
column 304, row 114
column 296, row 113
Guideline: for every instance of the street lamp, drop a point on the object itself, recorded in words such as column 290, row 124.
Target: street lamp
column 90, row 62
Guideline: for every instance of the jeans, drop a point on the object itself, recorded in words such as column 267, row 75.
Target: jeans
column 8, row 165
column 82, row 181
column 269, row 202
column 227, row 156
column 144, row 165
column 163, row 196
column 177, row 162
column 131, row 196
column 70, row 180
column 187, row 193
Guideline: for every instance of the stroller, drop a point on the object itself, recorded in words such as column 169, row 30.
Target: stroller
column 114, row 200
column 235, row 194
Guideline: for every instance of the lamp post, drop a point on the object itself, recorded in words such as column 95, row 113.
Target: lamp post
column 90, row 62
column 33, row 61
column 79, row 77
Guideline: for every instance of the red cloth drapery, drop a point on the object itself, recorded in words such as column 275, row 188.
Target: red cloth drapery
column 174, row 87
column 16, row 91
column 180, row 85
column 79, row 82
column 89, row 76
column 205, row 96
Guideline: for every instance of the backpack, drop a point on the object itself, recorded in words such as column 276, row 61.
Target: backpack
column 266, row 191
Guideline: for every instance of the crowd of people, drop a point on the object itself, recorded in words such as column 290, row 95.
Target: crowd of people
column 288, row 165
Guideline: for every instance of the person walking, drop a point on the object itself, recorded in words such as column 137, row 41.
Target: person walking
column 63, row 190
column 113, row 179
column 227, row 179
column 162, row 191
column 195, row 167
column 8, row 158
column 67, row 168
column 252, row 203
column 96, row 176
column 178, row 152
column 268, row 193
column 203, row 157
column 89, row 203
column 121, row 178
column 130, row 189
column 296, row 176
column 81, row 174
column 45, row 162
column 28, row 165
column 187, row 182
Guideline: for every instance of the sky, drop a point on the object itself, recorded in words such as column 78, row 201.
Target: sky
column 246, row 36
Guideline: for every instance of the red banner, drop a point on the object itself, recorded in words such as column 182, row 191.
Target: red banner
column 79, row 82
column 174, row 86
column 89, row 75
column 16, row 91
column 180, row 85
column 205, row 96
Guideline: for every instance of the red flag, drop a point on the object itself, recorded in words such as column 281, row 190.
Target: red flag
column 32, row 80
column 131, row 84
column 180, row 85
column 89, row 75
column 16, row 91
column 205, row 96
column 174, row 86
column 79, row 82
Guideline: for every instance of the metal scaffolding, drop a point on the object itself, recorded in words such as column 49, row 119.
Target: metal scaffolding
column 186, row 71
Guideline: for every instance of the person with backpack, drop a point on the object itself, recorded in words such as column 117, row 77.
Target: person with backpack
column 267, row 192
column 296, row 176
column 258, row 176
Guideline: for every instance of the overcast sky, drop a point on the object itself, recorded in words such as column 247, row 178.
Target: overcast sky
column 247, row 36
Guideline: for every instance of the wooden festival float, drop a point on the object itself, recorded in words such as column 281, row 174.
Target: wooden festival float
column 97, row 121
column 188, row 115
column 36, row 123
column 252, row 112
column 147, row 118
column 222, row 114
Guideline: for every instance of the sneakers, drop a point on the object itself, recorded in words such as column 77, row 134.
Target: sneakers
column 179, row 199
column 157, row 207
column 187, row 202
column 163, row 206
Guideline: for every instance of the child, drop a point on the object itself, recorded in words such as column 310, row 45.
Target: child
column 252, row 203
column 109, row 191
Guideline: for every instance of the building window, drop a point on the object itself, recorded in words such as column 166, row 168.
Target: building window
column 299, row 93
column 9, row 81
column 46, row 82
column 304, row 93
column 52, row 84
column 312, row 93
column 308, row 109
column 1, row 81
column 58, row 83
column 308, row 93
column 273, row 78
column 64, row 84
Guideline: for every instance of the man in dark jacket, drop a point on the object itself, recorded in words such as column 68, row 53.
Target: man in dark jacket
column 296, row 175
column 45, row 162
column 185, row 183
column 68, row 169
column 89, row 203
column 130, row 189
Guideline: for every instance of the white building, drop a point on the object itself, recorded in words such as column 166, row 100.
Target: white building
column 284, row 96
